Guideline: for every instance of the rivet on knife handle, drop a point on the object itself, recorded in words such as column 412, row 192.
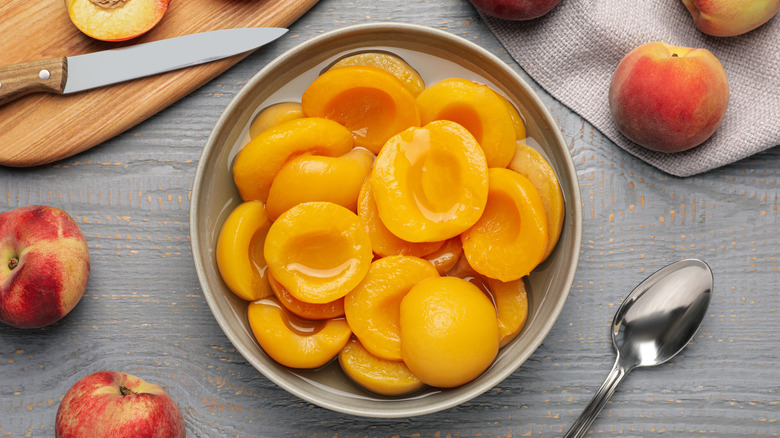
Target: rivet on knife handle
column 46, row 75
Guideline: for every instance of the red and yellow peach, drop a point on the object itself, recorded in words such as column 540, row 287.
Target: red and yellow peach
column 668, row 98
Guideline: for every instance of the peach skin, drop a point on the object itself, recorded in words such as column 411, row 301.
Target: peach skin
column 668, row 98
column 724, row 18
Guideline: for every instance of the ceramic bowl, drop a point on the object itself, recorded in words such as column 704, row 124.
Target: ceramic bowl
column 435, row 55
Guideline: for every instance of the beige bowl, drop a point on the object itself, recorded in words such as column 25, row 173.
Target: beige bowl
column 436, row 55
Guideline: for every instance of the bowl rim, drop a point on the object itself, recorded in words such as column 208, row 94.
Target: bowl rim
column 212, row 148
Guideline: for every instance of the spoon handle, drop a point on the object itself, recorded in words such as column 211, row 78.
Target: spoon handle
column 586, row 418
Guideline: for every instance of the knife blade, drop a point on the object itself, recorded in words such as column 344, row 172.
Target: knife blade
column 83, row 72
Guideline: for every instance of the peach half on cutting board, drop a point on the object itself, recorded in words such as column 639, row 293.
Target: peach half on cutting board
column 116, row 20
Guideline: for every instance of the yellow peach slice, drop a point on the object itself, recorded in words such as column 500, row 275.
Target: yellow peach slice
column 307, row 178
column 445, row 258
column 510, row 238
column 511, row 301
column 430, row 183
column 318, row 251
column 259, row 161
column 274, row 115
column 333, row 309
column 380, row 376
column 462, row 268
column 371, row 102
column 479, row 109
column 532, row 165
column 293, row 341
column 517, row 119
column 464, row 271
column 387, row 61
column 372, row 307
column 449, row 331
column 240, row 251
column 510, row 298
column 383, row 242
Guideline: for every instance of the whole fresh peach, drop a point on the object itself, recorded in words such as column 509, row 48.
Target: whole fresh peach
column 112, row 404
column 515, row 9
column 668, row 98
column 115, row 20
column 44, row 266
column 730, row 17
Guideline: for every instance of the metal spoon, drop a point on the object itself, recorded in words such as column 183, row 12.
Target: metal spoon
column 654, row 323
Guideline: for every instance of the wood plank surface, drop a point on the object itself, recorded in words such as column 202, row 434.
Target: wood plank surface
column 41, row 128
column 144, row 312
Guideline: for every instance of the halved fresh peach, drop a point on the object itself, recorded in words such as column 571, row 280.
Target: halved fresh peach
column 273, row 115
column 449, row 331
column 240, row 251
column 390, row 62
column 308, row 177
column 430, row 183
column 510, row 238
column 371, row 102
column 479, row 109
column 383, row 242
column 318, row 251
column 511, row 301
column 532, row 165
column 293, row 341
column 384, row 377
column 116, row 20
column 259, row 161
column 333, row 309
column 372, row 307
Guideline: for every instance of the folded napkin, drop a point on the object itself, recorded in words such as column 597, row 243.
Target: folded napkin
column 573, row 51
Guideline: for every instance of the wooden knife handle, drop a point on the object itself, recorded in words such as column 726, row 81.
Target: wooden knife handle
column 47, row 75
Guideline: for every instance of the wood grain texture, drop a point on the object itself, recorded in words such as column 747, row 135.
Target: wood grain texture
column 45, row 75
column 144, row 312
column 42, row 128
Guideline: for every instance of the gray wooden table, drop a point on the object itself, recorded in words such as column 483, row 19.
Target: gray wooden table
column 143, row 312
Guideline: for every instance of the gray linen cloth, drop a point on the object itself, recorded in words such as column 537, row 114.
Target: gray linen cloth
column 573, row 51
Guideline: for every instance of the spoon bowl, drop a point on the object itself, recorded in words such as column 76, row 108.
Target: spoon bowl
column 659, row 317
column 654, row 323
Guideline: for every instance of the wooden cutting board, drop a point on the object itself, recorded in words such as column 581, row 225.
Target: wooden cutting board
column 41, row 128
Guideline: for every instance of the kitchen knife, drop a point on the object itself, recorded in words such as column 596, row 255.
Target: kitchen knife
column 82, row 72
